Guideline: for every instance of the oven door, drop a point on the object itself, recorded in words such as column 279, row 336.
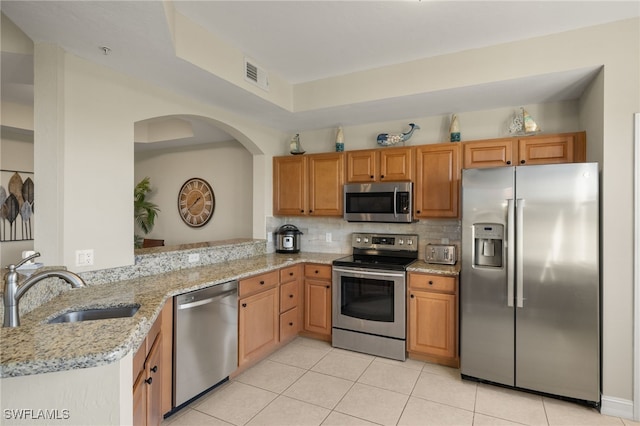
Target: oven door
column 369, row 301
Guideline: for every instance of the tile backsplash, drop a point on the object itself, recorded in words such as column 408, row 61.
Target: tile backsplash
column 315, row 230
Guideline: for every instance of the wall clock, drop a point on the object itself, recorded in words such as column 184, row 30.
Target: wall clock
column 196, row 202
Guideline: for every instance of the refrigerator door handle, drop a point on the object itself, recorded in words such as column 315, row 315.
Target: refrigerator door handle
column 510, row 251
column 519, row 253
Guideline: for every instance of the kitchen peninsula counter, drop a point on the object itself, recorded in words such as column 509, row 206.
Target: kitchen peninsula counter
column 36, row 347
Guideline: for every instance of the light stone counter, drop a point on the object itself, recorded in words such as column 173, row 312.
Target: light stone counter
column 428, row 268
column 37, row 347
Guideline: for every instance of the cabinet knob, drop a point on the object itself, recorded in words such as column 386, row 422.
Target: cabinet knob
column 290, row 274
column 430, row 282
column 418, row 211
column 522, row 161
column 291, row 296
column 244, row 305
column 262, row 282
column 291, row 324
column 509, row 162
column 154, row 369
column 149, row 380
column 310, row 211
column 381, row 176
column 411, row 296
column 328, row 286
column 301, row 211
column 371, row 176
column 317, row 272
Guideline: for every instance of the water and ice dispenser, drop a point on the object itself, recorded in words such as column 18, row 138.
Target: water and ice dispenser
column 488, row 243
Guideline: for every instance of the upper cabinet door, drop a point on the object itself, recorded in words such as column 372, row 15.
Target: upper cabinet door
column 396, row 164
column 362, row 166
column 326, row 179
column 380, row 165
column 489, row 153
column 437, row 184
column 290, row 186
column 552, row 149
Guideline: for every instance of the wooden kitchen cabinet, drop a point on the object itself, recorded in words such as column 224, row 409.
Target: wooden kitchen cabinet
column 437, row 184
column 309, row 185
column 432, row 319
column 258, row 316
column 380, row 165
column 317, row 301
column 290, row 314
column 152, row 372
column 527, row 150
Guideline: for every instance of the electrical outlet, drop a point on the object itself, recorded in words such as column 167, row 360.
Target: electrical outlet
column 327, row 237
column 194, row 257
column 84, row 257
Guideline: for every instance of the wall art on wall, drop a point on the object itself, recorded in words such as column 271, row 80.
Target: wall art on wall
column 16, row 205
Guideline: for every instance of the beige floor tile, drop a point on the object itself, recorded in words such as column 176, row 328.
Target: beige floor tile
column 319, row 389
column 446, row 389
column 482, row 420
column 339, row 419
column 353, row 353
column 343, row 365
column 271, row 376
column 420, row 412
column 300, row 355
column 388, row 376
column 517, row 406
column 235, row 403
column 408, row 363
column 314, row 343
column 628, row 422
column 373, row 404
column 563, row 413
column 440, row 369
column 286, row 411
column 191, row 417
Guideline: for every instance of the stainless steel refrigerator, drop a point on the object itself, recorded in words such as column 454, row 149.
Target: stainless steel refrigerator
column 530, row 287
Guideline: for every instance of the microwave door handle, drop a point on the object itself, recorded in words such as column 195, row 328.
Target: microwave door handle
column 395, row 202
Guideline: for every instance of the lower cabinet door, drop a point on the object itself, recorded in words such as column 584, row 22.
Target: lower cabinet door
column 289, row 325
column 432, row 323
column 153, row 369
column 140, row 400
column 258, row 324
column 317, row 314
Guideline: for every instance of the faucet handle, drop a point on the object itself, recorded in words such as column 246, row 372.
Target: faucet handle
column 25, row 260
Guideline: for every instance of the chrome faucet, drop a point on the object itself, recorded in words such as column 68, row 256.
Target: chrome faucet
column 13, row 290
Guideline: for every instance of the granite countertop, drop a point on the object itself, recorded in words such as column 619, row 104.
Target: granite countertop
column 36, row 347
column 430, row 268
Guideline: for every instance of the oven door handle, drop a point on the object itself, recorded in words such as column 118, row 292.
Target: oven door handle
column 363, row 272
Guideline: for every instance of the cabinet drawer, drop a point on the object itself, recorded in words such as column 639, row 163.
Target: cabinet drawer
column 432, row 282
column 289, row 274
column 258, row 283
column 317, row 271
column 289, row 324
column 288, row 295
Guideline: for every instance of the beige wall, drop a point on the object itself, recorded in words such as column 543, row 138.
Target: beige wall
column 91, row 112
column 226, row 166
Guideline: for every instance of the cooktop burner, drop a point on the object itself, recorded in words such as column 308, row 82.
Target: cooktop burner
column 381, row 251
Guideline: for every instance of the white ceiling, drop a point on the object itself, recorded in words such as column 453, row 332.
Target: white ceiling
column 303, row 41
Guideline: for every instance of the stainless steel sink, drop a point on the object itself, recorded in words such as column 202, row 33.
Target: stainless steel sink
column 96, row 314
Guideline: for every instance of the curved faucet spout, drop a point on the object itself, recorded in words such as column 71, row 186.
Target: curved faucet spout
column 13, row 290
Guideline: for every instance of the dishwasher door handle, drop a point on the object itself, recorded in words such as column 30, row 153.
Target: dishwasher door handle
column 208, row 300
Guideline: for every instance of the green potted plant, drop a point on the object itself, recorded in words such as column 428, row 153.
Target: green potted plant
column 145, row 212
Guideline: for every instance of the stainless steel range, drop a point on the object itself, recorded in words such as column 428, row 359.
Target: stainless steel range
column 369, row 294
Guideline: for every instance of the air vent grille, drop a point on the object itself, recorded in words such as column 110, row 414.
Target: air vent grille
column 254, row 74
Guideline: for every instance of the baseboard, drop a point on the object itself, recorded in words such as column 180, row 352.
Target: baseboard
column 617, row 407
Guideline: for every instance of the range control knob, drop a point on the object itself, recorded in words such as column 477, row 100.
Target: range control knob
column 358, row 240
column 366, row 240
column 401, row 241
column 410, row 242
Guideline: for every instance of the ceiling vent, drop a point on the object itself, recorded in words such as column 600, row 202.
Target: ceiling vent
column 256, row 75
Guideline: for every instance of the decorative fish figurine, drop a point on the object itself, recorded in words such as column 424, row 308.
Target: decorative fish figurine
column 386, row 139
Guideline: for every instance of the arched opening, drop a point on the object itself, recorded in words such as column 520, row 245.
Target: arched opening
column 172, row 150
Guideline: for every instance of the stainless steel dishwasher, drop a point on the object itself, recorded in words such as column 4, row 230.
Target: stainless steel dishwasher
column 205, row 349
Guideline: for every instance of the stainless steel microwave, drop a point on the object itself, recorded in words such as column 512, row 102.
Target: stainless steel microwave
column 378, row 202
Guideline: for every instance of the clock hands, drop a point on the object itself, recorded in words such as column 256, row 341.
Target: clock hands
column 194, row 203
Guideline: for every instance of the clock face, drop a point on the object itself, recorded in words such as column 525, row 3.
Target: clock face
column 196, row 202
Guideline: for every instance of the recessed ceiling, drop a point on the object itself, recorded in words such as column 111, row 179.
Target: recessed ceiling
column 304, row 41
